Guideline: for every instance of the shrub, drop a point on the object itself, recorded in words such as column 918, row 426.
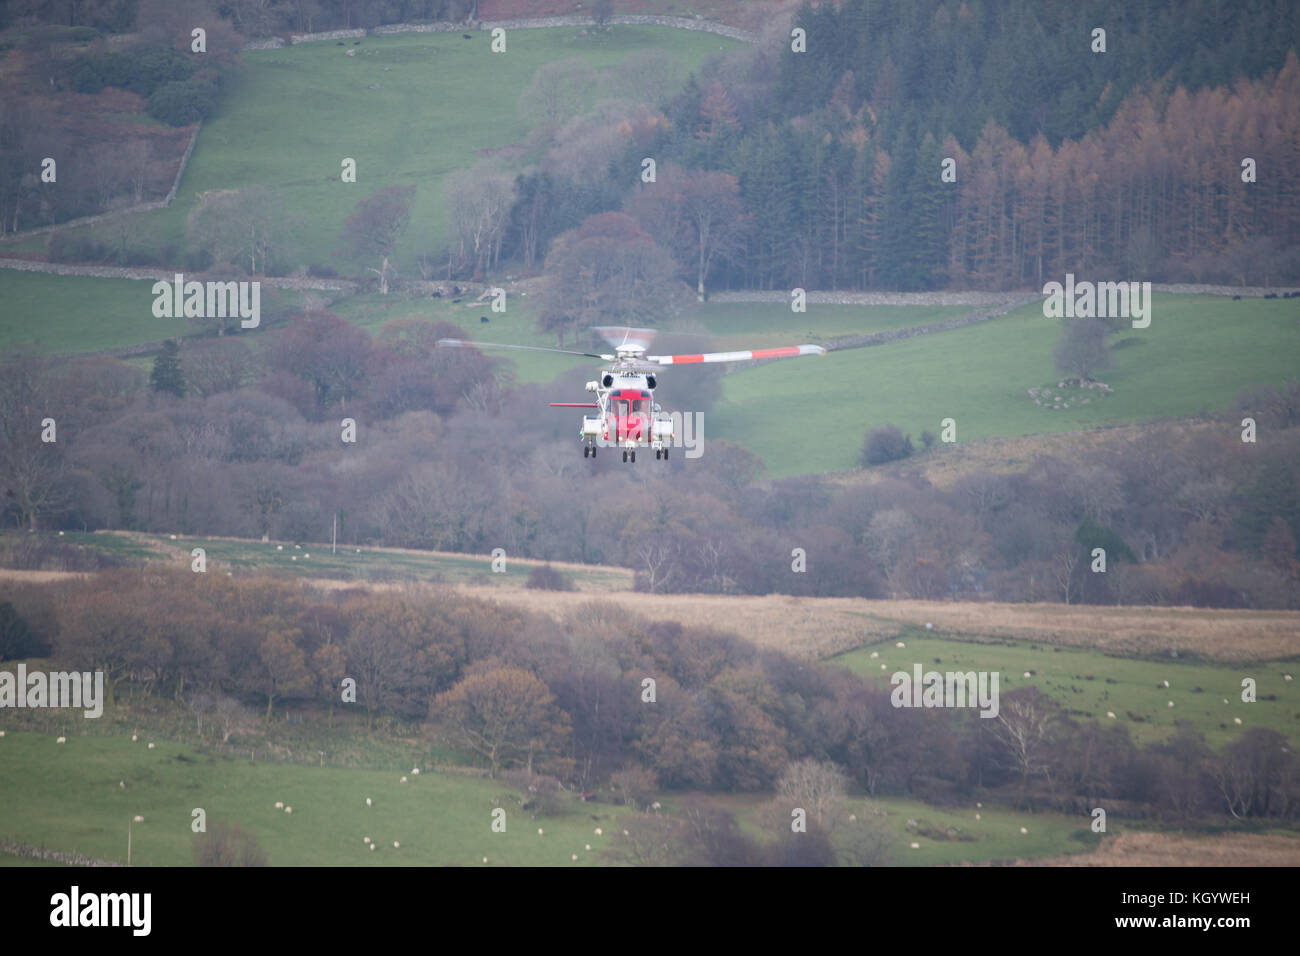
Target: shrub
column 227, row 845
column 885, row 444
column 546, row 578
column 181, row 104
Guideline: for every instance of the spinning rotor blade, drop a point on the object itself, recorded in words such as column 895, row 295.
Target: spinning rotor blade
column 788, row 351
column 622, row 337
column 463, row 344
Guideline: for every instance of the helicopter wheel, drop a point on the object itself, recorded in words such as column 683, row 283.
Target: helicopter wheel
column 665, row 454
column 657, row 453
column 625, row 454
column 586, row 450
column 593, row 451
column 633, row 458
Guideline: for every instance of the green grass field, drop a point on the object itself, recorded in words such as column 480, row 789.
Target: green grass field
column 349, row 563
column 75, row 314
column 1088, row 684
column 292, row 115
column 811, row 415
column 68, row 797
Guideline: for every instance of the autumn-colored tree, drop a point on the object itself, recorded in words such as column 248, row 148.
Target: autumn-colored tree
column 506, row 715
column 376, row 224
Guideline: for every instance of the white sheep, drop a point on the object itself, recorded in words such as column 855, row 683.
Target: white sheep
column 134, row 738
column 2, row 733
column 367, row 801
column 415, row 770
column 373, row 845
column 61, row 740
column 916, row 846
column 1171, row 703
column 574, row 858
column 279, row 804
column 588, row 846
column 151, row 746
column 977, row 816
column 403, row 780
column 539, row 831
column 1110, row 714
column 365, row 839
column 900, row 644
column 1023, row 830
column 1237, row 721
column 598, row 832
column 875, row 654
column 288, row 809
column 1164, row 683
column 396, row 845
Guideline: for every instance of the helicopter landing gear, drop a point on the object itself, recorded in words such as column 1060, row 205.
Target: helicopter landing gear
column 633, row 459
column 657, row 454
column 625, row 454
column 586, row 450
column 665, row 454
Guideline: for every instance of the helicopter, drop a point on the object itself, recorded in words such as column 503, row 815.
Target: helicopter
column 627, row 416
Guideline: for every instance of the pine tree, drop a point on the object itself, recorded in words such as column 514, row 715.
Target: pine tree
column 167, row 375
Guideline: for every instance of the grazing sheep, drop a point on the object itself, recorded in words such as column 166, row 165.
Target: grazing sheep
column 929, row 626
column 574, row 858
column 1023, row 830
column 396, row 845
column 900, row 644
column 597, row 831
column 539, row 831
column 484, row 859
column 403, row 780
column 367, row 801
column 365, row 839
column 2, row 733
column 134, row 738
column 1171, row 703
column 279, row 804
column 151, row 746
column 122, row 784
column 1236, row 720
column 1027, row 674
column 288, row 809
column 373, row 845
column 1164, row 683
column 61, row 740
column 916, row 846
column 1110, row 714
column 977, row 816
column 1286, row 676
column 875, row 654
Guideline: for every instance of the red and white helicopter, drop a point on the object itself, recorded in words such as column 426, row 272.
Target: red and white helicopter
column 628, row 417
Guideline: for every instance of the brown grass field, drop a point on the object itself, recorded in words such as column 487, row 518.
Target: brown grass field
column 1178, row 849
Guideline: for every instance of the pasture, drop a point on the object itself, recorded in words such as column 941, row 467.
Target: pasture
column 349, row 563
column 1088, row 683
column 69, row 797
column 1198, row 353
column 441, row 104
column 53, row 314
